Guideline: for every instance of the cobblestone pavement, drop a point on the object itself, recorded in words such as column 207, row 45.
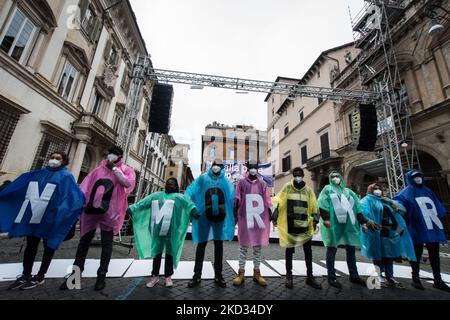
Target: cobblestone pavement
column 134, row 288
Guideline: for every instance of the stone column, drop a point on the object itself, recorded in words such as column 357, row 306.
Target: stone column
column 78, row 158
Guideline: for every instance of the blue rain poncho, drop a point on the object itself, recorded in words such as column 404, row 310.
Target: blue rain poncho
column 394, row 240
column 423, row 212
column 214, row 198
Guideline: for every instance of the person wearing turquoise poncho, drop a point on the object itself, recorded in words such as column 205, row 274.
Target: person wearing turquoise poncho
column 160, row 223
column 391, row 240
column 213, row 195
column 341, row 217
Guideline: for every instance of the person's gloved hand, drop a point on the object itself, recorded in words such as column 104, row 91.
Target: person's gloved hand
column 372, row 225
column 327, row 224
column 195, row 214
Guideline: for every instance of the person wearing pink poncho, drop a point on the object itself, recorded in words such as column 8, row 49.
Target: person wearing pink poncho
column 252, row 212
column 106, row 190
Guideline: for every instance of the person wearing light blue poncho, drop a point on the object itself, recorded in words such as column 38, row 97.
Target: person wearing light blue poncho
column 213, row 195
column 390, row 239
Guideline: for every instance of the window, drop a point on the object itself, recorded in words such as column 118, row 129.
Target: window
column 88, row 21
column 320, row 101
column 231, row 154
column 67, row 82
column 145, row 112
column 325, row 146
column 111, row 54
column 304, row 154
column 273, row 113
column 171, row 173
column 8, row 123
column 287, row 164
column 48, row 145
column 126, row 79
column 91, row 24
column 318, row 74
column 286, row 130
column 302, row 115
column 97, row 104
column 18, row 36
column 118, row 116
column 273, row 142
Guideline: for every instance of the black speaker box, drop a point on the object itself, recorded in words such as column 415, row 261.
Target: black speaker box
column 365, row 127
column 161, row 108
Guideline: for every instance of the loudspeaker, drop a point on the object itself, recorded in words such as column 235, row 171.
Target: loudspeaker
column 161, row 108
column 365, row 127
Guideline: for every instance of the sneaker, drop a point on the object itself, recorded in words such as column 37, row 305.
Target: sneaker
column 311, row 281
column 358, row 281
column 152, row 282
column 100, row 284
column 194, row 282
column 334, row 283
column 441, row 285
column 20, row 281
column 394, row 283
column 417, row 284
column 220, row 281
column 33, row 283
column 169, row 282
column 289, row 281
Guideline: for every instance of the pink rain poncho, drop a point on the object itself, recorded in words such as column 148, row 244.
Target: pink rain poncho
column 253, row 201
column 106, row 195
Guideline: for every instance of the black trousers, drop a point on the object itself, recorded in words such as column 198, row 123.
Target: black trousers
column 435, row 261
column 307, row 249
column 200, row 256
column 30, row 255
column 83, row 248
column 168, row 265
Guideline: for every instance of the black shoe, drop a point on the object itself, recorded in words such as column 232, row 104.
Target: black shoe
column 417, row 284
column 394, row 283
column 194, row 282
column 335, row 283
column 289, row 281
column 220, row 281
column 358, row 281
column 20, row 281
column 100, row 284
column 311, row 281
column 441, row 285
column 33, row 283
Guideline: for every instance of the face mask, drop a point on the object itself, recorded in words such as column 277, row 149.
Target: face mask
column 418, row 180
column 53, row 163
column 298, row 179
column 377, row 193
column 216, row 169
column 337, row 180
column 253, row 172
column 112, row 157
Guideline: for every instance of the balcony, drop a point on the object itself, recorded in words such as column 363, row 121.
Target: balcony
column 323, row 159
column 94, row 128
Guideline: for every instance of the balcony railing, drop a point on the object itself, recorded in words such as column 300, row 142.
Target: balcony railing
column 323, row 158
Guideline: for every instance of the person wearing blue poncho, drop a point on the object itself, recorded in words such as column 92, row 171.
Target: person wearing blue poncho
column 389, row 239
column 423, row 216
column 42, row 204
column 213, row 195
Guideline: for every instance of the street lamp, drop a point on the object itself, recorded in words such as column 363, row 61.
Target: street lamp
column 437, row 18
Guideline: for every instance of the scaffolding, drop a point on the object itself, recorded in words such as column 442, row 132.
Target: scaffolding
column 379, row 71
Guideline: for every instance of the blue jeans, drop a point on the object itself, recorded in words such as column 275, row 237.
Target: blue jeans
column 386, row 266
column 351, row 262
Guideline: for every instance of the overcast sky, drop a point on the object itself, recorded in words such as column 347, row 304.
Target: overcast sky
column 253, row 39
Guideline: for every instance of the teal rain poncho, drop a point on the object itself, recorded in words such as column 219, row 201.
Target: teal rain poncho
column 343, row 205
column 395, row 242
column 160, row 223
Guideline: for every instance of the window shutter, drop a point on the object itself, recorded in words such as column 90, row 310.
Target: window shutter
column 83, row 4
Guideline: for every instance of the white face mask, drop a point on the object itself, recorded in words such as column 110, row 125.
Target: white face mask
column 418, row 180
column 53, row 163
column 299, row 179
column 112, row 157
column 216, row 169
column 337, row 180
column 253, row 172
column 377, row 193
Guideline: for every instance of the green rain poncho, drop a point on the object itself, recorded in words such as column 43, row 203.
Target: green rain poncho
column 296, row 209
column 343, row 205
column 160, row 223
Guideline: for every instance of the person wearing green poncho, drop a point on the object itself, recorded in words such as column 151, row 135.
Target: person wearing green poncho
column 160, row 223
column 341, row 217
